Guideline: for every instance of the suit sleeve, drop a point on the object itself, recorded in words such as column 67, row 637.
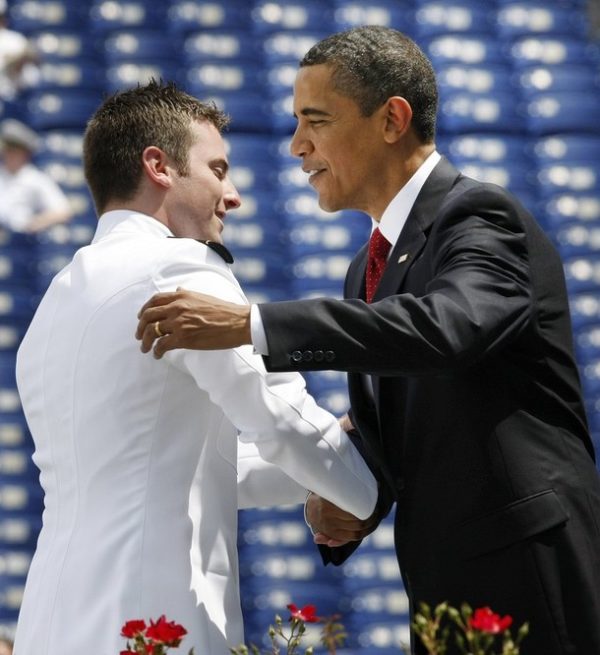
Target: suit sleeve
column 476, row 297
column 272, row 411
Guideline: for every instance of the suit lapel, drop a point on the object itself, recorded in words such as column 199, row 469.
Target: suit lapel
column 414, row 234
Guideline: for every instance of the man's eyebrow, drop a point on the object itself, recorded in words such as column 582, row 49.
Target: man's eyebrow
column 312, row 111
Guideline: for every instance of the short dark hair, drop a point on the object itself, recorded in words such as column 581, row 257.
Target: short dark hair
column 156, row 114
column 372, row 63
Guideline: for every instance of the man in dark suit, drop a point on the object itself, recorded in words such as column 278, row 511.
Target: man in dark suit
column 463, row 385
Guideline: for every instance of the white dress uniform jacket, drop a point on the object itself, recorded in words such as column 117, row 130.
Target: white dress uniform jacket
column 138, row 456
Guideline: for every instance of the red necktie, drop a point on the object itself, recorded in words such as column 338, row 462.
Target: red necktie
column 379, row 247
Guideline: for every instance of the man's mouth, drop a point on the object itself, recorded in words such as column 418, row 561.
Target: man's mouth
column 313, row 173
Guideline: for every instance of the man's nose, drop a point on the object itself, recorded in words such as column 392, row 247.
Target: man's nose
column 231, row 196
column 299, row 145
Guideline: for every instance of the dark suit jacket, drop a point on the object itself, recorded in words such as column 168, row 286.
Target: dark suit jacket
column 477, row 429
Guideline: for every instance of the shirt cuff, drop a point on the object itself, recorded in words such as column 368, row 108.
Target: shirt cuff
column 257, row 330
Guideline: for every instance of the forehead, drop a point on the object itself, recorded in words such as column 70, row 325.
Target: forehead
column 313, row 89
column 208, row 142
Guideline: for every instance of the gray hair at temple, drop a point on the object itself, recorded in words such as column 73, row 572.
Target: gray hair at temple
column 371, row 64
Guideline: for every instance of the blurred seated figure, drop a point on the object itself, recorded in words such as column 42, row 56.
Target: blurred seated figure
column 18, row 59
column 31, row 200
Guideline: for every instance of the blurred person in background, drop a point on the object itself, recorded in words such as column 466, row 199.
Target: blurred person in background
column 31, row 200
column 18, row 59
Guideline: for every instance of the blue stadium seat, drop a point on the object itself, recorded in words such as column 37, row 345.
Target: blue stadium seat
column 30, row 15
column 248, row 110
column 563, row 111
column 128, row 74
column 576, row 239
column 496, row 78
column 514, row 176
column 562, row 208
column 15, row 269
column 66, row 172
column 378, row 603
column 590, row 377
column 11, row 333
column 569, row 177
column 20, row 498
column 302, row 15
column 205, row 78
column 289, row 46
column 485, row 148
column 260, row 268
column 206, row 46
column 364, row 570
column 517, row 19
column 472, row 50
column 67, row 109
column 585, row 308
column 310, row 236
column 19, row 531
column 582, row 273
column 107, row 15
column 389, row 13
column 479, row 112
column 320, row 270
column 190, row 16
column 139, row 45
column 587, row 344
column 567, row 147
column 382, row 637
column 333, row 400
column 70, row 74
column 247, row 235
column 264, row 566
column 16, row 465
column 552, row 51
column 63, row 45
column 573, row 78
column 16, row 303
column 271, row 529
column 435, row 17
column 66, row 144
column 320, row 381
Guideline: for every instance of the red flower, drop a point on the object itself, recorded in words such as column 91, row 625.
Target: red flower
column 485, row 620
column 166, row 632
column 306, row 614
column 132, row 628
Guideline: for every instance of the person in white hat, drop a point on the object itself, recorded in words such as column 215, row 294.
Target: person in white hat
column 31, row 200
column 18, row 69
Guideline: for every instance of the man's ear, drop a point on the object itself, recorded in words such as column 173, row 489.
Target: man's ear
column 398, row 117
column 155, row 164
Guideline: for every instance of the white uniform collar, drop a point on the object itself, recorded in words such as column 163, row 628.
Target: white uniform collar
column 129, row 220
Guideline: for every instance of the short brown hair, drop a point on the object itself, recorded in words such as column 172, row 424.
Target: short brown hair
column 156, row 114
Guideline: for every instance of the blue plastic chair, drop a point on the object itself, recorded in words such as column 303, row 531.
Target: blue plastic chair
column 435, row 17
column 568, row 207
column 582, row 274
column 587, row 345
column 139, row 45
column 128, row 74
column 565, row 148
column 485, row 148
column 206, row 46
column 70, row 74
column 577, row 239
column 388, row 13
column 517, row 19
column 552, row 51
column 29, row 16
column 462, row 112
column 107, row 15
column 54, row 45
column 569, row 177
column 560, row 78
column 67, row 109
column 289, row 46
column 585, row 309
column 300, row 15
column 470, row 50
column 565, row 111
column 496, row 78
column 185, row 16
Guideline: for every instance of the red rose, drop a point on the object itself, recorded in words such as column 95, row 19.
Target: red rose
column 166, row 632
column 306, row 614
column 132, row 628
column 485, row 620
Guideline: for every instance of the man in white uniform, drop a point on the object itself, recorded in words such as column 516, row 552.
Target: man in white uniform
column 31, row 200
column 125, row 442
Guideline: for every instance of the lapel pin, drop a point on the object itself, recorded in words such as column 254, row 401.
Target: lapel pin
column 403, row 258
